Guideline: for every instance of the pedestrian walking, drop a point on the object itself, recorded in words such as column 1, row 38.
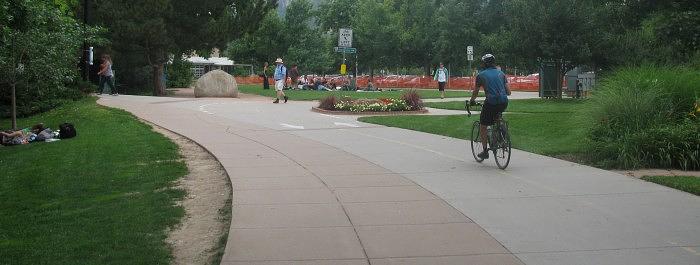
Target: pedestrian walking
column 266, row 76
column 442, row 75
column 280, row 80
column 294, row 76
column 107, row 76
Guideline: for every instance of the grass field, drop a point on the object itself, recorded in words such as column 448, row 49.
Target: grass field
column 316, row 95
column 684, row 183
column 523, row 105
column 538, row 126
column 104, row 197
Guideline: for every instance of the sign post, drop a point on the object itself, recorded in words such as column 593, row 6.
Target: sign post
column 470, row 58
column 345, row 38
column 345, row 46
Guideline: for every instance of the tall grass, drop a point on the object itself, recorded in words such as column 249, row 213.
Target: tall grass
column 642, row 118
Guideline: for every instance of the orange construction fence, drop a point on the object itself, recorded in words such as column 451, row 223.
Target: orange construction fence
column 516, row 83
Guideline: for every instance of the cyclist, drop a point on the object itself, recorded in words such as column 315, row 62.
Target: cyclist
column 495, row 86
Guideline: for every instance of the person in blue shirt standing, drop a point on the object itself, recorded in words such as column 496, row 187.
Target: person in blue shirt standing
column 280, row 80
column 495, row 86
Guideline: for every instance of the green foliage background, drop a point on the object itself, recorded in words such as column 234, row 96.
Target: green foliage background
column 647, row 117
column 39, row 53
column 399, row 34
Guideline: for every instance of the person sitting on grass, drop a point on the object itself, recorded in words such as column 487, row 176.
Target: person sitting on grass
column 318, row 83
column 370, row 85
column 21, row 136
column 308, row 83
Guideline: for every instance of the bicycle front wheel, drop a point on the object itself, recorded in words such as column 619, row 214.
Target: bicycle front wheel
column 475, row 142
column 502, row 150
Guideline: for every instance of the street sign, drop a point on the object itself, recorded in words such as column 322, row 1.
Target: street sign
column 345, row 50
column 470, row 49
column 470, row 57
column 92, row 56
column 345, row 38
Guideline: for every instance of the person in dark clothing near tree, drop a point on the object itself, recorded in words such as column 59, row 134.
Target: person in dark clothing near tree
column 294, row 76
column 266, row 81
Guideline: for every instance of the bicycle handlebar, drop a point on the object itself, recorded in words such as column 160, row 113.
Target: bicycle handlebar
column 468, row 107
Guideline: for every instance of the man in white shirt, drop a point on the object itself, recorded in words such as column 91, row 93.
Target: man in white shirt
column 442, row 75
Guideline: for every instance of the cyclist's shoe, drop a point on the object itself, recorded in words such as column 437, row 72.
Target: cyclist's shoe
column 484, row 155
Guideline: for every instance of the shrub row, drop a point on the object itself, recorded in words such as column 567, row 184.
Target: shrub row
column 647, row 117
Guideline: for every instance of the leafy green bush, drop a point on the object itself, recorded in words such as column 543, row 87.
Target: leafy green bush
column 180, row 73
column 644, row 117
column 39, row 51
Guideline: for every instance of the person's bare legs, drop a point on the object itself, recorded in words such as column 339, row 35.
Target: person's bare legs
column 11, row 135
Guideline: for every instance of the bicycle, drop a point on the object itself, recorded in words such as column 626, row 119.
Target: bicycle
column 499, row 142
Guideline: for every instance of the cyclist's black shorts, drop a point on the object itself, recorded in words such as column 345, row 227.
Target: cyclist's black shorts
column 489, row 113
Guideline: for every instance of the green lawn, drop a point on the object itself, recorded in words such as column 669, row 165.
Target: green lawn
column 104, row 197
column 557, row 133
column 316, row 95
column 523, row 105
column 684, row 183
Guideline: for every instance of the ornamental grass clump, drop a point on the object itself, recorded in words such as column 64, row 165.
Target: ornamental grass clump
column 647, row 117
column 413, row 100
column 328, row 103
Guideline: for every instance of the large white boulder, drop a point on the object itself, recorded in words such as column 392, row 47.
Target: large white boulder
column 217, row 84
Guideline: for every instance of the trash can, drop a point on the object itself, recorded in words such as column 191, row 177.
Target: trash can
column 550, row 82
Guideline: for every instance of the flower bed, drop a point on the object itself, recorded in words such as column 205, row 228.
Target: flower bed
column 374, row 105
column 409, row 101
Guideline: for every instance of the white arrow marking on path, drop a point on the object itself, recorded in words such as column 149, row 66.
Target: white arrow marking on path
column 345, row 124
column 335, row 117
column 292, row 126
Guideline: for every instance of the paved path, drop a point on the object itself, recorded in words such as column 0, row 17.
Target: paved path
column 324, row 189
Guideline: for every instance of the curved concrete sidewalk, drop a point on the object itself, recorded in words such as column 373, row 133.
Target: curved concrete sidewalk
column 543, row 210
column 299, row 201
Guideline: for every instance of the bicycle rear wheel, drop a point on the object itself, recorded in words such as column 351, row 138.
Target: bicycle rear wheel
column 502, row 150
column 475, row 142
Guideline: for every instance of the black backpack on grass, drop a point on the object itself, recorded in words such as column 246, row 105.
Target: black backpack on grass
column 66, row 130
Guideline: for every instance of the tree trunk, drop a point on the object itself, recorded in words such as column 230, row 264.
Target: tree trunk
column 158, row 85
column 427, row 69
column 14, row 106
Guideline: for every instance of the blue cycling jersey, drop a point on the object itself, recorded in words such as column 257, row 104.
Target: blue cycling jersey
column 494, row 82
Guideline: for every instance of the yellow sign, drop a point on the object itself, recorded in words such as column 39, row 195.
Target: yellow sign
column 343, row 69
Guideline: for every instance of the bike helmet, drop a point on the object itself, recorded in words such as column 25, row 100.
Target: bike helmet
column 488, row 59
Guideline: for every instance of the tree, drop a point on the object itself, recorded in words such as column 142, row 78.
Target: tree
column 560, row 30
column 307, row 44
column 39, row 49
column 263, row 45
column 336, row 14
column 139, row 35
column 376, row 30
column 419, row 31
column 148, row 33
column 456, row 28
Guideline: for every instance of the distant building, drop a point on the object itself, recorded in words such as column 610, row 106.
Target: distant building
column 201, row 65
